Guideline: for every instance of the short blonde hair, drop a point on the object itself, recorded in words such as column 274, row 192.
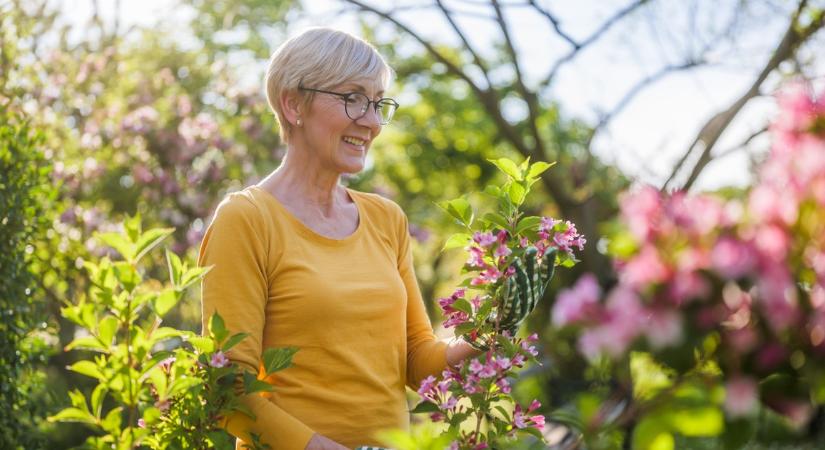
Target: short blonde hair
column 320, row 58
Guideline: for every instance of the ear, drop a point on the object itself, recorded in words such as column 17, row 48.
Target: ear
column 292, row 106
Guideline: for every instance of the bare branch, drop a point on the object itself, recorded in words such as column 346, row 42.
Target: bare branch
column 635, row 90
column 556, row 24
column 481, row 65
column 489, row 100
column 529, row 97
column 794, row 36
column 742, row 144
column 589, row 40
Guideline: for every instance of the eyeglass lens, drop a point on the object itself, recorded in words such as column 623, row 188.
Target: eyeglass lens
column 357, row 105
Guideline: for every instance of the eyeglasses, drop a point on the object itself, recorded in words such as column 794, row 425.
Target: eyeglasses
column 356, row 104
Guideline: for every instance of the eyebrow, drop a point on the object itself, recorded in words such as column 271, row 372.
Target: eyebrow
column 359, row 88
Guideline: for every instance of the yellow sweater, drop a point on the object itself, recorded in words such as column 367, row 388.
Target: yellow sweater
column 352, row 307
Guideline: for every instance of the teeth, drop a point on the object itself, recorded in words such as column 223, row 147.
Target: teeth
column 354, row 141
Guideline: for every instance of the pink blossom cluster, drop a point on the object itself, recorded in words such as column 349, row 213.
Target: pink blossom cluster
column 751, row 272
column 487, row 376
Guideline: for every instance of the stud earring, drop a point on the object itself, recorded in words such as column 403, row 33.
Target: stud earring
column 298, row 122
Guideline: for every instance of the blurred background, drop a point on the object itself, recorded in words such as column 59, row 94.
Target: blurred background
column 156, row 107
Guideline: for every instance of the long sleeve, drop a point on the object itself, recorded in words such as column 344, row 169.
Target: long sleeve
column 235, row 245
column 426, row 355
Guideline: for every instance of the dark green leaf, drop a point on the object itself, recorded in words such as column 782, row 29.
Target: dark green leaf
column 276, row 359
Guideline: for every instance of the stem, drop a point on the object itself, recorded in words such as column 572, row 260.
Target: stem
column 130, row 362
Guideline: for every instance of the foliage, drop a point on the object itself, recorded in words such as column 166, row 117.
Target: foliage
column 725, row 297
column 151, row 389
column 24, row 193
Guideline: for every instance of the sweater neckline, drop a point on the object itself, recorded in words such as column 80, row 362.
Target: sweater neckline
column 304, row 229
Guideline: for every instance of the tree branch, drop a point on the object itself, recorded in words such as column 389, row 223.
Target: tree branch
column 489, row 100
column 478, row 61
column 709, row 134
column 529, row 97
column 638, row 87
column 577, row 47
column 555, row 23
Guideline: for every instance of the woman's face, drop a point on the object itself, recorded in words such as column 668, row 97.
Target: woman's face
column 341, row 143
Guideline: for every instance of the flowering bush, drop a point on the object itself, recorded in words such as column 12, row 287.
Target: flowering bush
column 478, row 392
column 167, row 395
column 723, row 293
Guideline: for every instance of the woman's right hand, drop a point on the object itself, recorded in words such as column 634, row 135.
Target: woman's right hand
column 318, row 442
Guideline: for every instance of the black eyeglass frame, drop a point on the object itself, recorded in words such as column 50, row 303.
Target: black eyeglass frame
column 346, row 97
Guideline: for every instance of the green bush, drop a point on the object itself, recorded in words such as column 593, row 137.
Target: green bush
column 24, row 189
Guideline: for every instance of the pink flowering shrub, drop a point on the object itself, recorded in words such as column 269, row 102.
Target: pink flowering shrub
column 474, row 399
column 723, row 292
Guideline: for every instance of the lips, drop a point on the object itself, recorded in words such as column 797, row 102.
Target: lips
column 354, row 140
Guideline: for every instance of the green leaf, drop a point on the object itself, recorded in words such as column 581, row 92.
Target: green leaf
column 106, row 330
column 651, row 433
column 73, row 415
column 497, row 219
column 233, row 341
column 458, row 240
column 182, row 384
column 192, row 275
column 87, row 343
column 527, row 223
column 127, row 275
column 175, row 266
column 113, row 421
column 517, row 193
column 508, row 167
column 217, row 327
column 150, row 240
column 692, row 422
column 538, row 168
column 165, row 301
column 132, row 227
column 464, row 328
column 276, row 359
column 202, row 344
column 87, row 368
column 98, row 395
column 118, row 242
column 425, row 407
column 166, row 333
column 493, row 191
column 252, row 384
column 460, row 209
column 463, row 305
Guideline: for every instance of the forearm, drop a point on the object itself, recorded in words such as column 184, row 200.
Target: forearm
column 459, row 350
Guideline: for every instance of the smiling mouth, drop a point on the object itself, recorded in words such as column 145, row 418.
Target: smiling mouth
column 354, row 141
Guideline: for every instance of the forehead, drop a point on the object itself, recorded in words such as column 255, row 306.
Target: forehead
column 364, row 86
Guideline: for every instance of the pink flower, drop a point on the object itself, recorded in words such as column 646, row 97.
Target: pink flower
column 664, row 328
column 576, row 304
column 503, row 385
column 741, row 396
column 547, row 224
column 641, row 210
column 644, row 268
column 427, row 385
column 219, row 360
column 476, row 258
column 141, row 423
column 733, row 258
column 487, row 276
column 485, row 239
column 502, row 251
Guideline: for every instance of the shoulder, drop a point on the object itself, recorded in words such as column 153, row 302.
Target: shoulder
column 380, row 206
column 237, row 208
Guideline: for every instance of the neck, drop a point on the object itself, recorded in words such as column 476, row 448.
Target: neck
column 300, row 179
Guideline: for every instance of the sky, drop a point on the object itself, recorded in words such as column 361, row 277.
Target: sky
column 646, row 138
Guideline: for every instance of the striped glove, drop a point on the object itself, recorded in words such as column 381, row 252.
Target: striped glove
column 522, row 291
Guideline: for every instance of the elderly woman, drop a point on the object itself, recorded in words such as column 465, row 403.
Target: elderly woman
column 300, row 260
